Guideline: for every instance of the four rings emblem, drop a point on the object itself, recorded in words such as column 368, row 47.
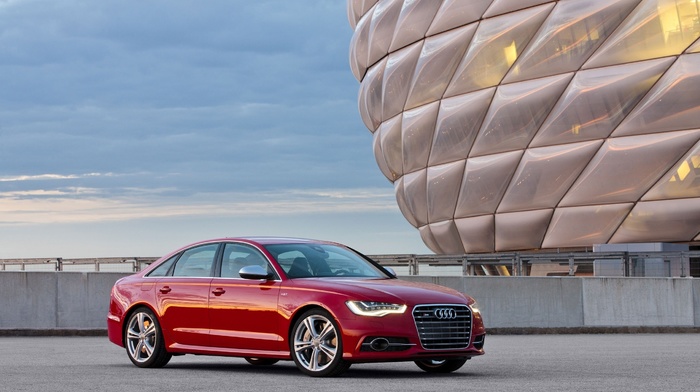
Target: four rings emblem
column 445, row 313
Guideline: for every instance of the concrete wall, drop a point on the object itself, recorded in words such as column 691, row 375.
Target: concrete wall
column 55, row 300
column 79, row 301
column 567, row 302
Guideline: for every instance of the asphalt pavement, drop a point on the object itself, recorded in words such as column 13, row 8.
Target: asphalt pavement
column 613, row 362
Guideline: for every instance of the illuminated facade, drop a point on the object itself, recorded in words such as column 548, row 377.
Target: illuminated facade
column 526, row 124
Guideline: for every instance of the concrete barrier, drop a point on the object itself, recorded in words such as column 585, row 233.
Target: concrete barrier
column 75, row 302
column 55, row 300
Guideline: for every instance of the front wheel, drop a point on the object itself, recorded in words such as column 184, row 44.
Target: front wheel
column 317, row 346
column 442, row 365
column 144, row 340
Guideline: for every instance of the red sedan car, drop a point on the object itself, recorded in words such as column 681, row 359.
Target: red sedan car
column 320, row 304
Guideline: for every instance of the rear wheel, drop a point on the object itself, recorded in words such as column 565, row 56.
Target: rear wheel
column 144, row 340
column 262, row 361
column 317, row 346
column 441, row 365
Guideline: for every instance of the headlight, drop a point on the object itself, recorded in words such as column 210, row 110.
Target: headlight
column 374, row 309
column 475, row 307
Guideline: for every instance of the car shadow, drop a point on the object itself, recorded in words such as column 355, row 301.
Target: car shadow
column 285, row 368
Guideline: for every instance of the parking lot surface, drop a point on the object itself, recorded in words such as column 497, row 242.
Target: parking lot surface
column 615, row 362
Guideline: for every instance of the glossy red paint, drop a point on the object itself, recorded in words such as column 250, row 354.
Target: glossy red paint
column 201, row 305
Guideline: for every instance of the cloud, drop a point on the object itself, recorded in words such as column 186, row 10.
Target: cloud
column 45, row 177
column 121, row 115
column 93, row 205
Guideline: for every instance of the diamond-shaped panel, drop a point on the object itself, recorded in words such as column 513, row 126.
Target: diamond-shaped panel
column 591, row 137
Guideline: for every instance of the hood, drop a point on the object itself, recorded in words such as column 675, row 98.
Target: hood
column 386, row 290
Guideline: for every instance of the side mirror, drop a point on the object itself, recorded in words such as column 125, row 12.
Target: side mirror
column 254, row 272
column 390, row 271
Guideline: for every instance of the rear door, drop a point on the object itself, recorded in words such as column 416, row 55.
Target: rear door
column 183, row 296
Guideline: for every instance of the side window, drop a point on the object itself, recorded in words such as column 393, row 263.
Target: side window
column 237, row 256
column 295, row 264
column 163, row 268
column 197, row 261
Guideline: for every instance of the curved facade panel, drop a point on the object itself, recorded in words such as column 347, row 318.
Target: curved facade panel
column 522, row 124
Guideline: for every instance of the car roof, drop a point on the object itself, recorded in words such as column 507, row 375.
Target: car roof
column 267, row 240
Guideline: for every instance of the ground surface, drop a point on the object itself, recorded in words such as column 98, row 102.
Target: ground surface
column 615, row 362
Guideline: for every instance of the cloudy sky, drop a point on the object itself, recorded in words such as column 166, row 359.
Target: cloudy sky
column 129, row 128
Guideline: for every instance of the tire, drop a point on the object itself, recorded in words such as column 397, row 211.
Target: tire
column 316, row 345
column 262, row 361
column 441, row 366
column 143, row 339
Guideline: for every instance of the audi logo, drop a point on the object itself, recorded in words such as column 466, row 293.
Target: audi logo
column 445, row 313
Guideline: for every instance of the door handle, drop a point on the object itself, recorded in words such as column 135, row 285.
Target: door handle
column 165, row 289
column 218, row 291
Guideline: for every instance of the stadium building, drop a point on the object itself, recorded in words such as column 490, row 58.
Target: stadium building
column 522, row 124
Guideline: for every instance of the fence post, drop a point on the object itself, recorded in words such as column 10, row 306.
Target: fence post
column 684, row 257
column 571, row 265
column 412, row 265
column 519, row 263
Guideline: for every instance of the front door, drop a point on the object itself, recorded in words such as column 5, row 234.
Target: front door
column 243, row 313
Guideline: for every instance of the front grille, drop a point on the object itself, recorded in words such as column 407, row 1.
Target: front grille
column 443, row 327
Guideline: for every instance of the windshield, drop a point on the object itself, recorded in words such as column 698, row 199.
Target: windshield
column 322, row 260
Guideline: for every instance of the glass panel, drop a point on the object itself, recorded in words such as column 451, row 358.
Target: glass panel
column 357, row 9
column 521, row 230
column 418, row 128
column 654, row 221
column 381, row 31
column 694, row 48
column 353, row 16
column 359, row 48
column 163, row 268
column 457, row 125
column 389, row 146
column 196, row 262
column 427, row 236
column 370, row 97
column 379, row 155
column 682, row 181
column 597, row 100
column 545, row 174
column 625, row 168
column 655, row 29
column 573, row 31
column 671, row 105
column 477, row 233
column 401, row 201
column 237, row 256
column 485, row 181
column 398, row 73
column 443, row 189
column 504, row 6
column 413, row 22
column 447, row 237
column 496, row 45
column 517, row 112
column 583, row 226
column 438, row 60
column 455, row 13
column 414, row 195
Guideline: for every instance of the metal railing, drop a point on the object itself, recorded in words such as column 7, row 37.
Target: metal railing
column 637, row 264
column 100, row 264
column 628, row 264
